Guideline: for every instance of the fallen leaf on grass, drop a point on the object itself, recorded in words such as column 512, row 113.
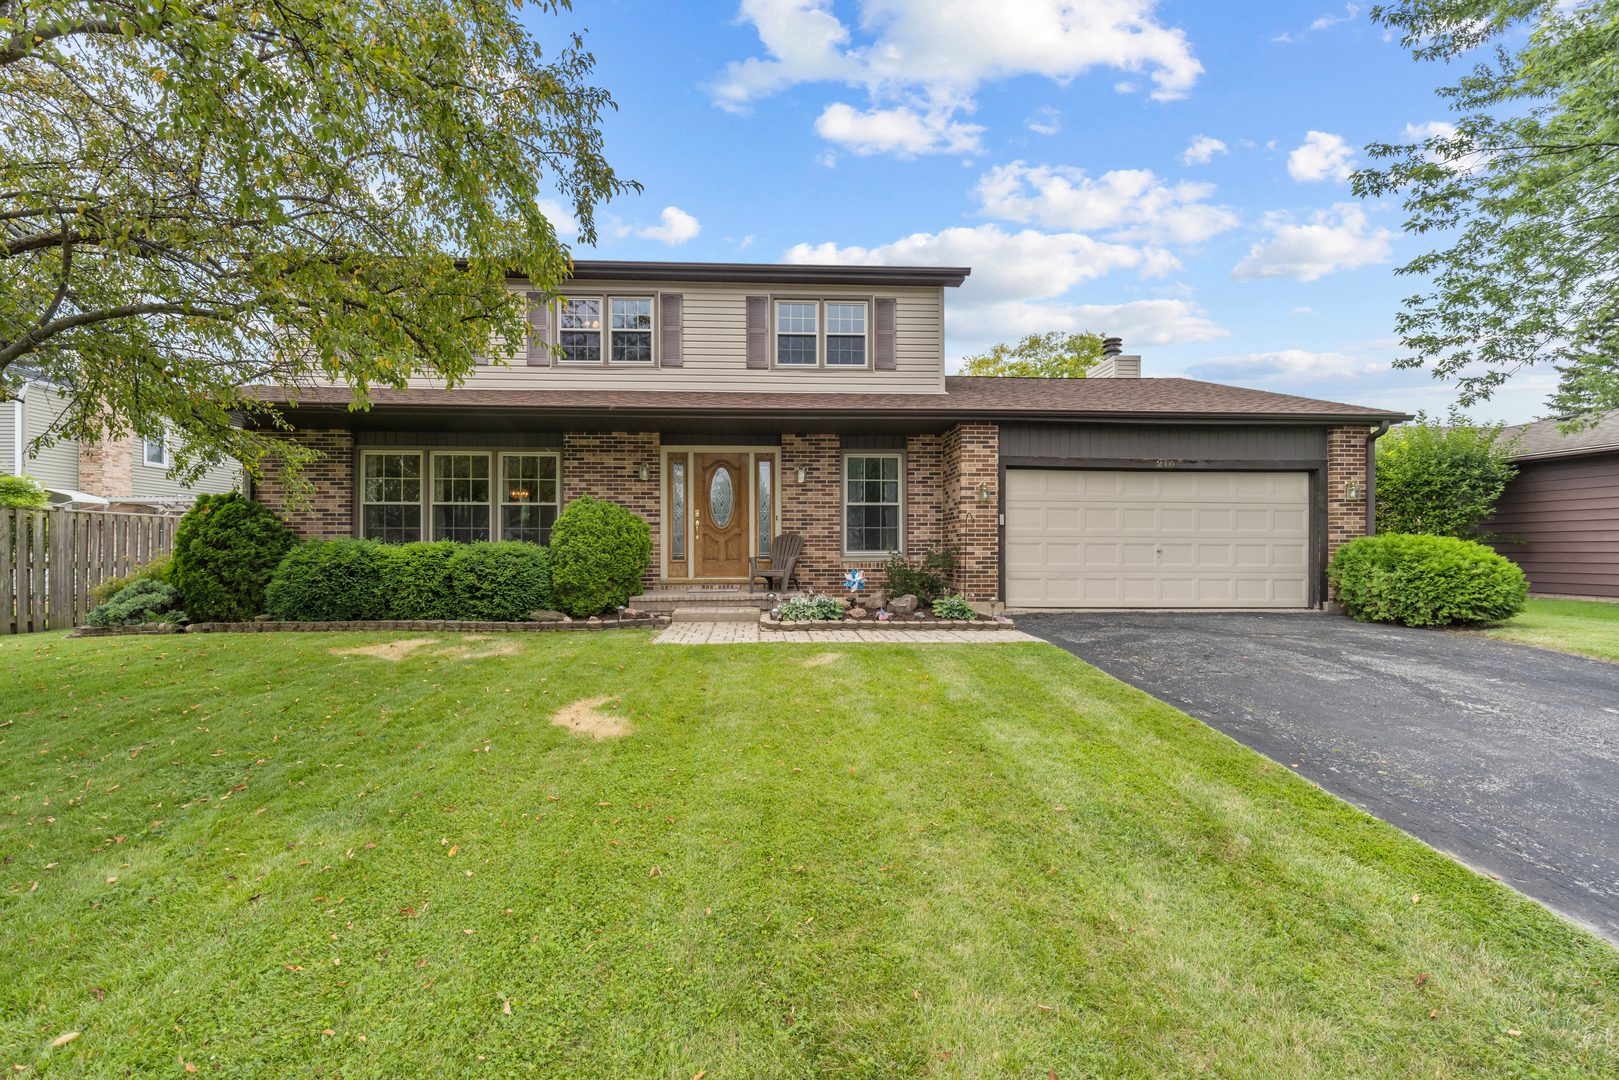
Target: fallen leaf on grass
column 453, row 849
column 656, row 872
column 507, row 1008
column 553, row 798
column 1047, row 1008
column 292, row 967
column 101, row 995
column 64, row 1038
column 190, row 1067
column 1513, row 1031
column 328, row 1031
column 1421, row 979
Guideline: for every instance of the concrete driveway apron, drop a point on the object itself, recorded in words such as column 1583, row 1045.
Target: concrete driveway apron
column 1503, row 755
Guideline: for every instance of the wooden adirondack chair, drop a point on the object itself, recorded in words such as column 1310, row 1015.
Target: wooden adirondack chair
column 784, row 552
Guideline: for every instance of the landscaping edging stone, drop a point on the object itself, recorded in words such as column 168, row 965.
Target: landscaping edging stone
column 434, row 625
column 850, row 626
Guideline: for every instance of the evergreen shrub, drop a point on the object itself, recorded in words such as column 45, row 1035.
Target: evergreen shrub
column 142, row 601
column 225, row 550
column 599, row 550
column 500, row 581
column 1426, row 581
column 329, row 581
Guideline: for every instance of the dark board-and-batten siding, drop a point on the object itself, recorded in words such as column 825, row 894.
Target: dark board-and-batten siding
column 1567, row 513
column 1117, row 442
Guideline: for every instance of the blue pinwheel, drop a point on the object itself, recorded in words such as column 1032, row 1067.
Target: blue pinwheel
column 855, row 581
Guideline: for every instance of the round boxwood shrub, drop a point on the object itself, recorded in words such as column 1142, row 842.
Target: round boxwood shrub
column 1426, row 581
column 501, row 581
column 599, row 550
column 142, row 601
column 329, row 581
column 225, row 550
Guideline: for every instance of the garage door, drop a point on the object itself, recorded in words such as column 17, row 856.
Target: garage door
column 1078, row 538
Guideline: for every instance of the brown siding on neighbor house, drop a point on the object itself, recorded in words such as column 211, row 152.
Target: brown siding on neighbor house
column 331, row 513
column 1567, row 512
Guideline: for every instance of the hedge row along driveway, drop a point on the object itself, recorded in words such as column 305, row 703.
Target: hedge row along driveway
column 375, row 855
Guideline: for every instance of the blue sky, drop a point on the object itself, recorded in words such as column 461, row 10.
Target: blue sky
column 1174, row 173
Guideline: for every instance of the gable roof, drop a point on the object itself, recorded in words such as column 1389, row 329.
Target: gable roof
column 1542, row 439
column 966, row 398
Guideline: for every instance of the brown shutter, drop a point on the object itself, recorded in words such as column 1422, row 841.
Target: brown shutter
column 882, row 346
column 670, row 329
column 538, row 326
column 758, row 331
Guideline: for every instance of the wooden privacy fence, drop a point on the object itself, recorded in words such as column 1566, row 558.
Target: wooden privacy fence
column 51, row 559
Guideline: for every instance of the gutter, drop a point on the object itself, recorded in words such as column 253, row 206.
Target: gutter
column 1371, row 476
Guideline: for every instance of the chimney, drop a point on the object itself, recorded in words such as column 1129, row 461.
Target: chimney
column 1115, row 365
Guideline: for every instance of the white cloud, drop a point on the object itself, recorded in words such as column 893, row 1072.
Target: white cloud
column 1431, row 130
column 1045, row 121
column 1005, row 266
column 1203, row 149
column 678, row 227
column 1134, row 203
column 933, row 55
column 1323, row 155
column 1305, row 311
column 1350, row 11
column 901, row 131
column 1288, row 365
column 560, row 218
column 1335, row 239
column 1139, row 322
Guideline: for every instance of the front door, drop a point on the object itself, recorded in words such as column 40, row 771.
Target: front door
column 720, row 502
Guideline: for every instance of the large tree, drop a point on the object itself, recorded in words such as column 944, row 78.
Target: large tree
column 203, row 196
column 1524, row 188
column 1052, row 355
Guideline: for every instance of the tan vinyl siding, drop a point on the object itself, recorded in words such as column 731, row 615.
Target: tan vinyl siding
column 714, row 346
column 56, row 466
column 153, row 481
column 8, row 437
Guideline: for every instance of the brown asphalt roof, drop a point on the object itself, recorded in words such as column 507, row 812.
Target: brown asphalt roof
column 1542, row 439
column 966, row 397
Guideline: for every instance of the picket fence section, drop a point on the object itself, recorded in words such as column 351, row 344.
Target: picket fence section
column 50, row 560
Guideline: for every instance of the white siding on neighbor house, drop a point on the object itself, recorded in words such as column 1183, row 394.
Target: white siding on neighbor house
column 56, row 466
column 714, row 346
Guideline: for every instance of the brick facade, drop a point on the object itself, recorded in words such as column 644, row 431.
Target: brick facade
column 813, row 509
column 607, row 465
column 107, row 468
column 971, row 455
column 1346, row 465
column 331, row 510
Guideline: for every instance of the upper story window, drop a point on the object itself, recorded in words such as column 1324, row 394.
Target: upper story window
column 579, row 331
column 822, row 333
column 632, row 331
column 157, row 451
column 797, row 333
column 845, row 335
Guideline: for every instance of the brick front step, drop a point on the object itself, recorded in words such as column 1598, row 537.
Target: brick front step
column 667, row 601
column 715, row 614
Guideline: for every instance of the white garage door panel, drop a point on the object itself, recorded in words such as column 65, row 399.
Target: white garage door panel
column 1078, row 538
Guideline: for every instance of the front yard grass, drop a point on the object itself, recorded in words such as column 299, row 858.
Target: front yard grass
column 1588, row 627
column 264, row 855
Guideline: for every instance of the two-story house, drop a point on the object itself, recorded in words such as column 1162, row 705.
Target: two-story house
column 728, row 404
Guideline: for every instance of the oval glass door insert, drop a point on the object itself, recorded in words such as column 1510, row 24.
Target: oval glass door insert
column 720, row 498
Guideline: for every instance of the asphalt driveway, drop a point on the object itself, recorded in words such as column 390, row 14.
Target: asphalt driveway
column 1502, row 755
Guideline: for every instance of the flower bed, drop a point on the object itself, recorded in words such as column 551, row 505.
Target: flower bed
column 848, row 625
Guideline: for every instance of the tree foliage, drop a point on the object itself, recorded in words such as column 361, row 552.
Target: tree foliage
column 1442, row 479
column 203, row 196
column 1052, row 355
column 1526, row 190
column 225, row 549
column 24, row 491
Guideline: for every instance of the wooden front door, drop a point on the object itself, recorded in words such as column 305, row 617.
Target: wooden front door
column 720, row 515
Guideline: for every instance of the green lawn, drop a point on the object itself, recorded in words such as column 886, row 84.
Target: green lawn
column 1589, row 627
column 257, row 856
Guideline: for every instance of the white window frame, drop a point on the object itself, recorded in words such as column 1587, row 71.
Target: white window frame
column 776, row 331
column 498, row 490
column 822, row 332
column 421, row 495
column 651, row 331
column 430, row 524
column 605, row 331
column 827, row 334
column 600, row 331
column 162, row 444
column 843, row 505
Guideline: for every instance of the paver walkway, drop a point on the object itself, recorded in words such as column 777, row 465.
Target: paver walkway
column 737, row 633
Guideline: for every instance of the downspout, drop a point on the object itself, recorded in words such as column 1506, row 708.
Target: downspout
column 1371, row 476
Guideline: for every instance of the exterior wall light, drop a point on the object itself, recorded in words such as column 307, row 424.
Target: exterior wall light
column 801, row 474
column 1352, row 491
column 645, row 472
column 983, row 493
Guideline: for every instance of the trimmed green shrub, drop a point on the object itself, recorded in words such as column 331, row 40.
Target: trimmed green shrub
column 351, row 580
column 599, row 550
column 143, row 601
column 925, row 580
column 805, row 608
column 416, row 579
column 225, row 550
column 23, row 491
column 500, row 581
column 156, row 570
column 1426, row 581
column 329, row 581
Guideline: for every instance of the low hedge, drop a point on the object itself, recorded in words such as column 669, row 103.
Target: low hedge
column 354, row 580
column 1426, row 581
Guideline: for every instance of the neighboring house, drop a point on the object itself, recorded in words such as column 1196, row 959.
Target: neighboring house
column 726, row 404
column 131, row 473
column 1564, row 507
